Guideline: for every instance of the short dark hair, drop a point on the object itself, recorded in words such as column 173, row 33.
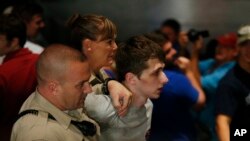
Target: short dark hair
column 54, row 59
column 157, row 37
column 89, row 26
column 12, row 27
column 132, row 56
column 172, row 23
column 26, row 10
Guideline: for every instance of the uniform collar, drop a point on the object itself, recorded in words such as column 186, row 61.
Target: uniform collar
column 61, row 117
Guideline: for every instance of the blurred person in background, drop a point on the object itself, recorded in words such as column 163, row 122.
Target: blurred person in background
column 208, row 73
column 171, row 28
column 232, row 96
column 17, row 72
column 31, row 14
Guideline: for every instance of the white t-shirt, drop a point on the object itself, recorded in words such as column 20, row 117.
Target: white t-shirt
column 33, row 47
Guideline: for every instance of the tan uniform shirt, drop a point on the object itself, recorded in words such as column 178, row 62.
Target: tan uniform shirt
column 96, row 84
column 39, row 127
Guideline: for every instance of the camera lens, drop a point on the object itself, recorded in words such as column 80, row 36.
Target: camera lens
column 193, row 34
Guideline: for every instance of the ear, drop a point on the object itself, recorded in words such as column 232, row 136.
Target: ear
column 130, row 78
column 53, row 87
column 14, row 43
column 86, row 45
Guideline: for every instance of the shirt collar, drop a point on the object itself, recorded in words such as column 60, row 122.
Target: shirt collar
column 61, row 117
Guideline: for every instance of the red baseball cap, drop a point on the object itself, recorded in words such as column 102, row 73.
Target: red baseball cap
column 228, row 40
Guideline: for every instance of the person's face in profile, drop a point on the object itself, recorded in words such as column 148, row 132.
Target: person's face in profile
column 75, row 86
column 34, row 26
column 101, row 52
column 152, row 79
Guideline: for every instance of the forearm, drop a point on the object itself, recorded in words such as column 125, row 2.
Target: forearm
column 194, row 65
column 197, row 46
column 201, row 95
column 223, row 127
column 184, row 65
column 223, row 132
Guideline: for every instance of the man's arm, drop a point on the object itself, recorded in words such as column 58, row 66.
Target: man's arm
column 222, row 127
column 184, row 65
column 201, row 101
column 197, row 46
column 225, row 108
column 100, row 109
column 193, row 73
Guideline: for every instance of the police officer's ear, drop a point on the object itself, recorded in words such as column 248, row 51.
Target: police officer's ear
column 53, row 87
column 130, row 78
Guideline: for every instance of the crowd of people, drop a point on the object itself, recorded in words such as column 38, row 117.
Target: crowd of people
column 150, row 87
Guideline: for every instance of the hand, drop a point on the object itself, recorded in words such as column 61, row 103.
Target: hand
column 120, row 95
column 198, row 44
column 183, row 63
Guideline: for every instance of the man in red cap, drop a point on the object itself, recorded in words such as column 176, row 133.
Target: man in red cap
column 226, row 49
column 209, row 72
column 233, row 95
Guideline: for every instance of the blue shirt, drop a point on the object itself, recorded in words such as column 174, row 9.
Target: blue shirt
column 209, row 80
column 172, row 119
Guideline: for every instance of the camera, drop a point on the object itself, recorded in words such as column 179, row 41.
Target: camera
column 193, row 34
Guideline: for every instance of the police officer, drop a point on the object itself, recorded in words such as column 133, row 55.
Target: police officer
column 53, row 111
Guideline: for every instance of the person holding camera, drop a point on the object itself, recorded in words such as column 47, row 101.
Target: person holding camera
column 17, row 72
column 210, row 71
